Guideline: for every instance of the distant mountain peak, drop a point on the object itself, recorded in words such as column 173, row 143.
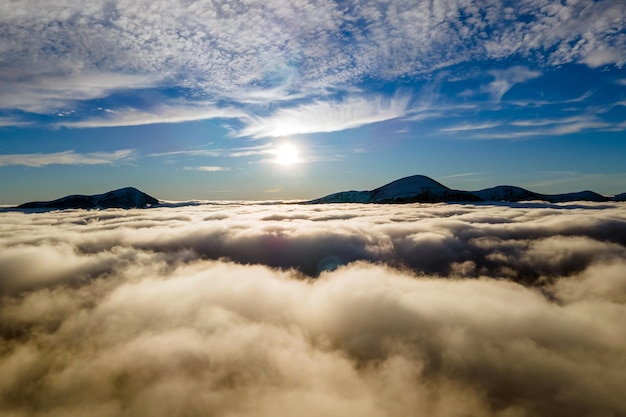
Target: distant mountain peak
column 128, row 197
column 415, row 181
column 412, row 189
column 620, row 197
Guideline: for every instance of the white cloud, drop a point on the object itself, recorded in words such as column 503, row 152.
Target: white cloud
column 13, row 122
column 240, row 152
column 250, row 151
column 139, row 312
column 67, row 158
column 603, row 56
column 160, row 114
column 538, row 103
column 547, row 122
column 206, row 168
column 505, row 79
column 466, row 127
column 465, row 174
column 43, row 93
column 189, row 152
column 568, row 128
column 552, row 127
column 327, row 116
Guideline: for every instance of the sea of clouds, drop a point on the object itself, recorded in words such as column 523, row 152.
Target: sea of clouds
column 310, row 310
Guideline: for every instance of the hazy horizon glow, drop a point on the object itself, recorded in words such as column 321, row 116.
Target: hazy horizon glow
column 188, row 100
column 337, row 310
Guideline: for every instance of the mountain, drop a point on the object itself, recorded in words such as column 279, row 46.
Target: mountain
column 579, row 196
column 512, row 193
column 507, row 193
column 422, row 189
column 126, row 198
column 620, row 197
column 414, row 189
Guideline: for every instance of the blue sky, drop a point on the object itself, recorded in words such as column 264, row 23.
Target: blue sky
column 194, row 99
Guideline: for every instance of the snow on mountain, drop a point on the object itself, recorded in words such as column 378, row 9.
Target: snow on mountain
column 126, row 198
column 418, row 188
column 414, row 189
column 408, row 188
column 345, row 197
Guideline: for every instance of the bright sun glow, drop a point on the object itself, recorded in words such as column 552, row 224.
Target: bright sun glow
column 287, row 155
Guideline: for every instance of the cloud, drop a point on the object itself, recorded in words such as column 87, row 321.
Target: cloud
column 505, row 79
column 552, row 127
column 250, row 151
column 67, row 158
column 43, row 93
column 63, row 57
column 466, row 127
column 220, row 152
column 12, row 122
column 465, row 174
column 492, row 310
column 236, row 52
column 547, row 122
column 189, row 152
column 327, row 116
column 160, row 114
column 603, row 56
column 207, row 168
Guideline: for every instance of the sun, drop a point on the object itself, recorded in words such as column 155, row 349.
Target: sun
column 287, row 155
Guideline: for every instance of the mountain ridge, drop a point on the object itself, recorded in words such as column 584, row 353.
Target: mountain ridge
column 423, row 189
column 126, row 198
column 411, row 189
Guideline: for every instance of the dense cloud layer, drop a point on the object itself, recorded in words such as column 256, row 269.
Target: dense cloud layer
column 237, row 310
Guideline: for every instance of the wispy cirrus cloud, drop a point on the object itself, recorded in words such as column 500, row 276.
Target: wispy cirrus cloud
column 505, row 79
column 207, row 168
column 465, row 174
column 547, row 122
column 161, row 114
column 13, row 122
column 67, row 158
column 469, row 126
column 326, row 116
column 188, row 152
column 250, row 151
column 219, row 152
column 43, row 93
column 555, row 130
column 539, row 103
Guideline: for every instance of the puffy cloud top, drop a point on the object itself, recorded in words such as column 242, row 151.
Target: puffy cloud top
column 223, row 309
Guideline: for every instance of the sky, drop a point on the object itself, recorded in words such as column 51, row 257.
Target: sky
column 264, row 100
column 228, row 309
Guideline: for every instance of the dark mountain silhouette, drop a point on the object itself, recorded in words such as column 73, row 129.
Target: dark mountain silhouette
column 422, row 189
column 126, row 198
